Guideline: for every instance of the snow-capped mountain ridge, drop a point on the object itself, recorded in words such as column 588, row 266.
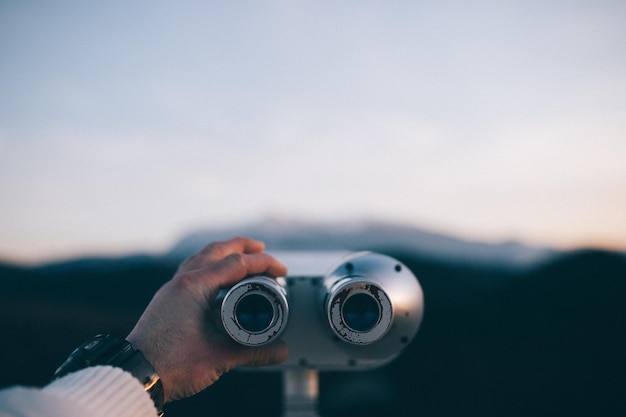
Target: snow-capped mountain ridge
column 285, row 234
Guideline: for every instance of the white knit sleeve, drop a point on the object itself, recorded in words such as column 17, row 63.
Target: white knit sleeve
column 99, row 391
column 106, row 391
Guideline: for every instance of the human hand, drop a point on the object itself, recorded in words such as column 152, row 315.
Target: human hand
column 177, row 332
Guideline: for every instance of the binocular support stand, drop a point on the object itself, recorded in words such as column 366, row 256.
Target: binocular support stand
column 300, row 393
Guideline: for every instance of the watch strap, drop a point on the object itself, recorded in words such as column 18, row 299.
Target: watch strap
column 113, row 351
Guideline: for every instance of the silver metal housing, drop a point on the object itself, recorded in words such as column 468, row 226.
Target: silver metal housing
column 319, row 338
column 327, row 327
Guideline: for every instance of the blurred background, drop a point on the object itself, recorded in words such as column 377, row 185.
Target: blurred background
column 481, row 143
column 124, row 125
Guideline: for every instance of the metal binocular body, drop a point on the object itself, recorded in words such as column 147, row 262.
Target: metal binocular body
column 335, row 310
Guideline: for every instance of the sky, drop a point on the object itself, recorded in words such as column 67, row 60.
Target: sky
column 125, row 125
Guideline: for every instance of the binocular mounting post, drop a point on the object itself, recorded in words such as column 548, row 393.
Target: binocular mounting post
column 300, row 393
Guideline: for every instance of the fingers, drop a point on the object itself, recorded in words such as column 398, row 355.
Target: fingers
column 237, row 266
column 219, row 250
column 223, row 264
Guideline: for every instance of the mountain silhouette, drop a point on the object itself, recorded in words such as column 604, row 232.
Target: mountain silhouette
column 287, row 234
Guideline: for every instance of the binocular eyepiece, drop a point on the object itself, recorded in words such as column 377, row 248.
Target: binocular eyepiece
column 358, row 310
column 328, row 308
column 255, row 311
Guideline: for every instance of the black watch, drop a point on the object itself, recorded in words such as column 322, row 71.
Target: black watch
column 113, row 351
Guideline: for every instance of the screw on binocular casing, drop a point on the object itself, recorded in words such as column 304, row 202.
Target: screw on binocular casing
column 398, row 268
column 349, row 267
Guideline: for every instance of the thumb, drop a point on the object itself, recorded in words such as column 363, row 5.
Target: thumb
column 272, row 354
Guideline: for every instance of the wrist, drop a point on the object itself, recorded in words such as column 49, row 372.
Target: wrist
column 112, row 351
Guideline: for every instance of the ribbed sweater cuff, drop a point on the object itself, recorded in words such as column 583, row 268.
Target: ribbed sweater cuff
column 106, row 391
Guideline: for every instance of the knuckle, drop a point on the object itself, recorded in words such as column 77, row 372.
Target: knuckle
column 237, row 259
column 221, row 248
column 260, row 357
column 184, row 281
column 215, row 248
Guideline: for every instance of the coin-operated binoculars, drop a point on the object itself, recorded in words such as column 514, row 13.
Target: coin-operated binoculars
column 336, row 311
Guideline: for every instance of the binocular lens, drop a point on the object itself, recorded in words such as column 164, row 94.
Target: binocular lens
column 361, row 312
column 254, row 313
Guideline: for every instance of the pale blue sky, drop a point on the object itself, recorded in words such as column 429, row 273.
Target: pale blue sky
column 125, row 124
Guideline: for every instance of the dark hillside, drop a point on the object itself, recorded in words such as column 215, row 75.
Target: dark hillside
column 551, row 342
column 46, row 311
column 545, row 342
